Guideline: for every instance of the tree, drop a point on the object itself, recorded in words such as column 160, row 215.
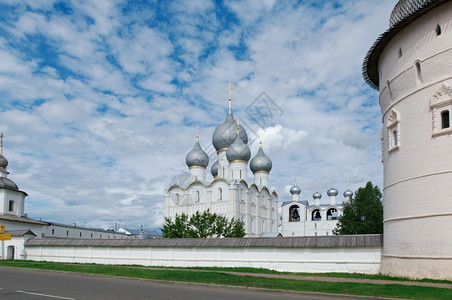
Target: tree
column 202, row 225
column 363, row 213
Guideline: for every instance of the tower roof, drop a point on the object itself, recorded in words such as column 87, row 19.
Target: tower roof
column 404, row 12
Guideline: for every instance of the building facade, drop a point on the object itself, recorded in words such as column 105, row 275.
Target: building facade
column 21, row 228
column 411, row 66
column 230, row 193
column 299, row 218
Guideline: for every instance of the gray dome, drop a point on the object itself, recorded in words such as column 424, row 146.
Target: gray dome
column 224, row 134
column 405, row 8
column 317, row 195
column 332, row 192
column 214, row 169
column 238, row 150
column 3, row 162
column 197, row 157
column 261, row 162
column 8, row 184
column 295, row 190
column 348, row 193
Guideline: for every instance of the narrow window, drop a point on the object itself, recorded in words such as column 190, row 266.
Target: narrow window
column 67, row 233
column 198, row 197
column 240, row 174
column 438, row 29
column 91, row 235
column 101, row 236
column 400, row 52
column 220, row 194
column 11, row 205
column 445, row 119
column 80, row 234
column 418, row 72
column 53, row 231
column 394, row 138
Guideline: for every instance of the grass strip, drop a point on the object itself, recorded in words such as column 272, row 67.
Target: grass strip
column 217, row 277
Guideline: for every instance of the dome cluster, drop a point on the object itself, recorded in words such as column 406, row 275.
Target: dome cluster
column 232, row 138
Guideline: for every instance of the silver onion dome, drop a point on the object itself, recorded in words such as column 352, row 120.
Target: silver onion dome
column 8, row 184
column 197, row 157
column 3, row 162
column 348, row 193
column 317, row 195
column 224, row 135
column 238, row 150
column 332, row 192
column 295, row 190
column 214, row 169
column 261, row 162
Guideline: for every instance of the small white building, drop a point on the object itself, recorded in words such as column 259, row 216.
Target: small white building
column 230, row 193
column 299, row 218
column 21, row 228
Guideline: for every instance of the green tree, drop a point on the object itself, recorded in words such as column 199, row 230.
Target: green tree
column 363, row 213
column 202, row 225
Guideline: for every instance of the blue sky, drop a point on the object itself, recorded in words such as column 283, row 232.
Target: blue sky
column 100, row 99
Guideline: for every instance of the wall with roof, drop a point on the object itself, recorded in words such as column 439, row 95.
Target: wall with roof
column 294, row 254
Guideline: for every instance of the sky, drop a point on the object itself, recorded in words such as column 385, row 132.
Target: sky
column 99, row 100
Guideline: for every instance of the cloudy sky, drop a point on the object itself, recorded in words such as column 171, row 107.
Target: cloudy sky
column 99, row 100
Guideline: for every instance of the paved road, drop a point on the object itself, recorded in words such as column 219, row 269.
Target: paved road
column 38, row 284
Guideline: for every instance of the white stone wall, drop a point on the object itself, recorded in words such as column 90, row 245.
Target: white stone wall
column 315, row 260
column 415, row 73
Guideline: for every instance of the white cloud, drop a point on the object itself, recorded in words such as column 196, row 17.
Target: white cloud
column 99, row 106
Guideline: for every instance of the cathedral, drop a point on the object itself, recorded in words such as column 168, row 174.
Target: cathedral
column 230, row 193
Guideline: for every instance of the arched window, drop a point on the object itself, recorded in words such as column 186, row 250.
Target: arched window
column 176, row 198
column 11, row 205
column 316, row 215
column 331, row 214
column 294, row 213
column 198, row 196
column 220, row 194
column 400, row 52
column 445, row 119
column 418, row 72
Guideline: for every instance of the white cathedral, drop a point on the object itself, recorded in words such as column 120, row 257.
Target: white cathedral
column 231, row 193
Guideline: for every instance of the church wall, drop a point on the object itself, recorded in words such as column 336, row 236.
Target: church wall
column 279, row 254
column 18, row 198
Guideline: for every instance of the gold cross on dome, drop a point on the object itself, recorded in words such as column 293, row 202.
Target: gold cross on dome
column 229, row 87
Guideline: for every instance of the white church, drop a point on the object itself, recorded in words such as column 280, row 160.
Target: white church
column 230, row 193
column 300, row 218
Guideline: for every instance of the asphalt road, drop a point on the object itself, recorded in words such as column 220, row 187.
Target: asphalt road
column 39, row 284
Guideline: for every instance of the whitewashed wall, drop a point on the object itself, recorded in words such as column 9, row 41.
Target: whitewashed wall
column 326, row 254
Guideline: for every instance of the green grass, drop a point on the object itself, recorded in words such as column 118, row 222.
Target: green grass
column 218, row 276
